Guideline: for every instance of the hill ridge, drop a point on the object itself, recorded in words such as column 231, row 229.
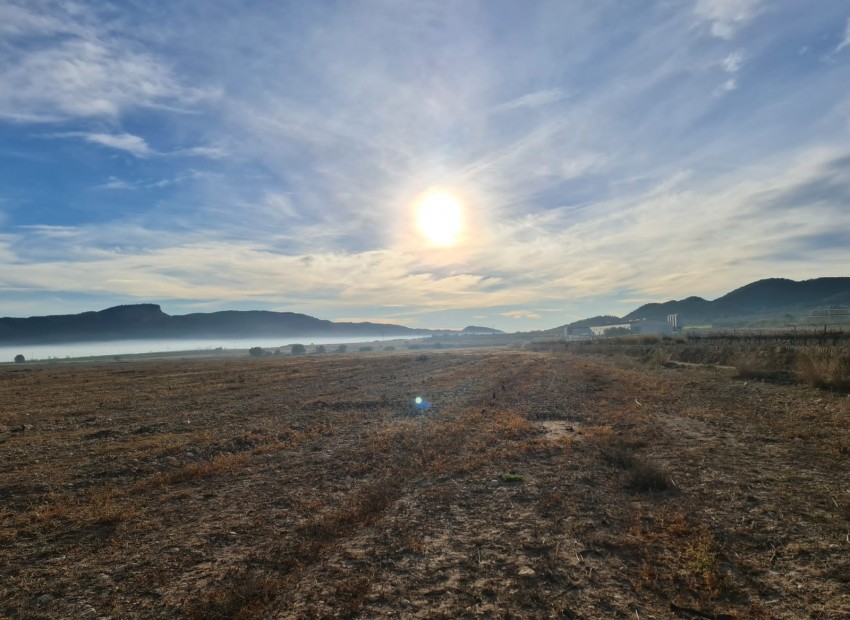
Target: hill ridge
column 147, row 320
column 769, row 296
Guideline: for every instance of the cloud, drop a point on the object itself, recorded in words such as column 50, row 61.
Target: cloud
column 40, row 18
column 846, row 41
column 521, row 314
column 64, row 62
column 280, row 204
column 209, row 152
column 82, row 79
column 116, row 183
column 138, row 146
column 122, row 142
column 727, row 16
column 732, row 63
column 727, row 87
column 531, row 100
column 547, row 257
column 134, row 145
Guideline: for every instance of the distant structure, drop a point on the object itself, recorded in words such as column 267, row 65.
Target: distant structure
column 640, row 326
column 673, row 319
column 829, row 316
column 577, row 333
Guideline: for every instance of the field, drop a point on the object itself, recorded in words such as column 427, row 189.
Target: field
column 538, row 484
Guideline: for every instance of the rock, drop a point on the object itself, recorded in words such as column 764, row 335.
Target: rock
column 45, row 598
column 526, row 571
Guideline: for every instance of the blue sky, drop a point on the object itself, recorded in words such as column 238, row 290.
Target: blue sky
column 268, row 155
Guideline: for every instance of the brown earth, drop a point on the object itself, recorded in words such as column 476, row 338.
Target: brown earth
column 538, row 485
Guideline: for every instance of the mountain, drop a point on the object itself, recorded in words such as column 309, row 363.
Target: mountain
column 143, row 321
column 476, row 330
column 691, row 306
column 603, row 319
column 770, row 297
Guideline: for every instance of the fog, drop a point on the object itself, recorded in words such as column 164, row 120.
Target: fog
column 127, row 347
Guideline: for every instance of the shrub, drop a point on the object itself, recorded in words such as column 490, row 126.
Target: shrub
column 320, row 349
column 298, row 349
column 256, row 352
column 20, row 359
column 646, row 476
column 643, row 475
column 389, row 348
column 512, row 477
column 341, row 348
column 365, row 349
column 822, row 368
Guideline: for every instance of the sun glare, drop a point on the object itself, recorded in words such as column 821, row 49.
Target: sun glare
column 439, row 217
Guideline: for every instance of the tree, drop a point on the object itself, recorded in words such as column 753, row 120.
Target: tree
column 256, row 352
column 20, row 359
column 341, row 348
column 321, row 349
column 298, row 349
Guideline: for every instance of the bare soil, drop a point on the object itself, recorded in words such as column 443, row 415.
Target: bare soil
column 537, row 485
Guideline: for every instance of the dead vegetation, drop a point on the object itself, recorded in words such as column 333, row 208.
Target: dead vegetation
column 536, row 485
column 818, row 359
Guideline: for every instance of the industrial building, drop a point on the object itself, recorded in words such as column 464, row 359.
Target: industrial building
column 640, row 326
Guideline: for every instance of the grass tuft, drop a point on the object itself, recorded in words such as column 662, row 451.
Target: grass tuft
column 826, row 368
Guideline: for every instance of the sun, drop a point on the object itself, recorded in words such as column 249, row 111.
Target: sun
column 439, row 217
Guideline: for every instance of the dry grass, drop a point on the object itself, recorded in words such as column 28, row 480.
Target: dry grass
column 537, row 485
column 824, row 367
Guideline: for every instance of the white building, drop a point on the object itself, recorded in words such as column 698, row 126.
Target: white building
column 640, row 326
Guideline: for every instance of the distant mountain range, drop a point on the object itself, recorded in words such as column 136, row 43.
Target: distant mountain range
column 146, row 321
column 773, row 297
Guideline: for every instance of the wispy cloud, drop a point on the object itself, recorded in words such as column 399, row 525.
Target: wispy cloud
column 79, row 68
column 727, row 87
column 209, row 152
column 134, row 145
column 732, row 63
column 115, row 183
column 726, row 17
column 531, row 100
column 84, row 79
column 550, row 264
column 846, row 41
column 138, row 146
column 521, row 314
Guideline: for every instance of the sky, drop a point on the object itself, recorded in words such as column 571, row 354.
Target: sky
column 275, row 154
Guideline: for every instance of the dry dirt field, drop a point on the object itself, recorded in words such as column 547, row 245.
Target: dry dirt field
column 538, row 485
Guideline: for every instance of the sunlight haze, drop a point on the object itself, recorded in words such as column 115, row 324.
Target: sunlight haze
column 439, row 217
